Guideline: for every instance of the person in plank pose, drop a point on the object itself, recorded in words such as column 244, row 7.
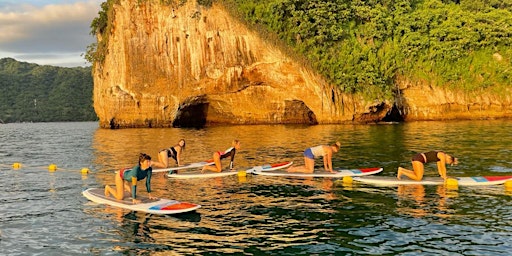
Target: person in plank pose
column 219, row 155
column 123, row 178
column 420, row 159
column 324, row 151
column 173, row 152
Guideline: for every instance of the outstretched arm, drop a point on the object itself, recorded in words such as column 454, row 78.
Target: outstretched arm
column 441, row 164
column 328, row 161
column 134, row 191
column 178, row 156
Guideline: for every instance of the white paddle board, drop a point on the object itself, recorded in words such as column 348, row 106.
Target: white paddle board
column 186, row 166
column 209, row 174
column 154, row 206
column 337, row 173
column 269, row 167
column 462, row 181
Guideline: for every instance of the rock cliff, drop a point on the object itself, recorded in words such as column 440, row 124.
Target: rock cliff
column 192, row 65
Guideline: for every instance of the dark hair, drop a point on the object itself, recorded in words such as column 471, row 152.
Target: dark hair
column 143, row 157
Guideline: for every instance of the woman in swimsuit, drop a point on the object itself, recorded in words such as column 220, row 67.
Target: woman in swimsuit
column 123, row 178
column 419, row 160
column 219, row 155
column 173, row 152
column 325, row 151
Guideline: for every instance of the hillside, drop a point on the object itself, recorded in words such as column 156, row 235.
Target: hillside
column 370, row 46
column 35, row 93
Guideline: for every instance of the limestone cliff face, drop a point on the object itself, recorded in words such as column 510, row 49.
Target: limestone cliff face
column 420, row 101
column 193, row 65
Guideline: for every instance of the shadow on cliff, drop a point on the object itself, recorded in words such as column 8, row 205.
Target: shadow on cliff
column 385, row 111
column 197, row 112
column 397, row 112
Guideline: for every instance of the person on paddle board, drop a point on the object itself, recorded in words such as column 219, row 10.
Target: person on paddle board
column 123, row 178
column 173, row 152
column 419, row 160
column 219, row 155
column 324, row 151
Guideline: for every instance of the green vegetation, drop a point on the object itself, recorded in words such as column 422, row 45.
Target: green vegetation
column 363, row 46
column 100, row 25
column 366, row 46
column 34, row 93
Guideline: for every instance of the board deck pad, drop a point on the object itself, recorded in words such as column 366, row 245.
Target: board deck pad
column 154, row 206
column 209, row 174
column 186, row 166
column 463, row 181
column 270, row 167
column 338, row 172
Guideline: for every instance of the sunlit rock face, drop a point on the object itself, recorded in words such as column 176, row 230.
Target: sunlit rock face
column 418, row 100
column 192, row 66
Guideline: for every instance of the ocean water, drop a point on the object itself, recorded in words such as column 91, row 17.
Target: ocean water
column 43, row 212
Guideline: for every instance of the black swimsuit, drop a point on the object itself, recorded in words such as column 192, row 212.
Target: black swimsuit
column 171, row 153
column 230, row 152
column 430, row 156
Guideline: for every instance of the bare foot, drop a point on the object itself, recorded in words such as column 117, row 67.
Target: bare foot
column 399, row 173
column 106, row 191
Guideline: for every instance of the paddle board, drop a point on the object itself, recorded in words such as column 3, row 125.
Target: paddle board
column 186, row 166
column 208, row 174
column 269, row 167
column 337, row 173
column 462, row 181
column 154, row 206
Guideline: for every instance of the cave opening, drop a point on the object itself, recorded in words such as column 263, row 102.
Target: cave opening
column 191, row 115
column 394, row 115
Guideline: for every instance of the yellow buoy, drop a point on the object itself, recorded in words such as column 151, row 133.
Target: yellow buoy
column 242, row 173
column 508, row 184
column 347, row 180
column 16, row 165
column 52, row 167
column 84, row 170
column 242, row 179
column 452, row 184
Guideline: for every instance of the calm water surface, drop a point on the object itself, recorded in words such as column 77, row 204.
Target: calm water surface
column 44, row 213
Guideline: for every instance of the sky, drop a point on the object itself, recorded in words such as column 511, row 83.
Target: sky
column 47, row 32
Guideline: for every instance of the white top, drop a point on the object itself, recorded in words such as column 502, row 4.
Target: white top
column 318, row 151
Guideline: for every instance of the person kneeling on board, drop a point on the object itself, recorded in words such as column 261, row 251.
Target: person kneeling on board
column 173, row 152
column 217, row 156
column 142, row 171
column 419, row 160
column 325, row 151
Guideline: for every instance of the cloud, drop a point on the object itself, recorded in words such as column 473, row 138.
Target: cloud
column 47, row 33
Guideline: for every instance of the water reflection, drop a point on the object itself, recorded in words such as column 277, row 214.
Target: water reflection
column 413, row 200
column 258, row 214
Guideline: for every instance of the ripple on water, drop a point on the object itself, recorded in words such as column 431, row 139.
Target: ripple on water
column 44, row 213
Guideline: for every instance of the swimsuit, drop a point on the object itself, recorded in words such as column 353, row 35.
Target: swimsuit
column 313, row 152
column 171, row 153
column 228, row 152
column 127, row 174
column 430, row 156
